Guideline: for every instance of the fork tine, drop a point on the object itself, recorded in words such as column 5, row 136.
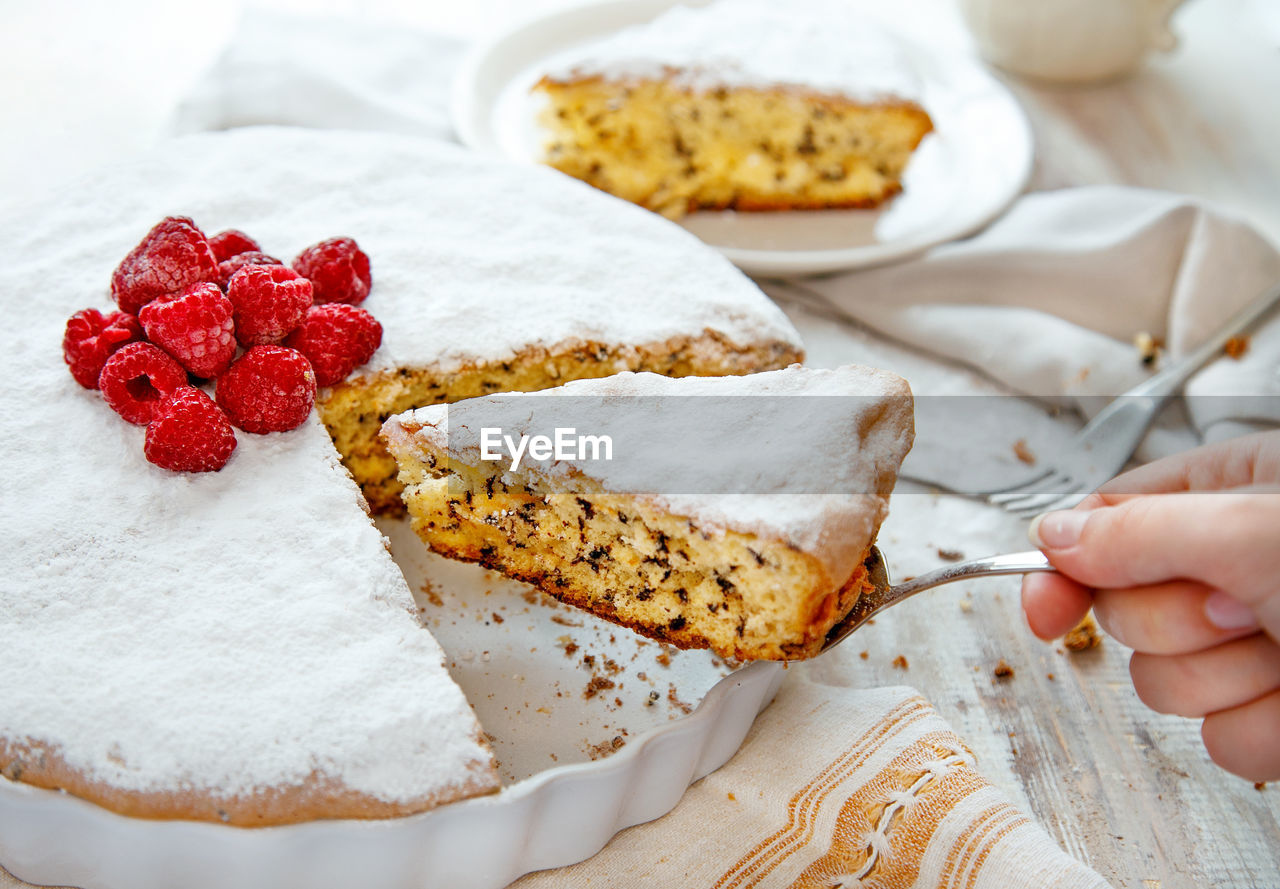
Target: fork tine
column 1033, row 505
column 1043, row 484
column 1066, row 501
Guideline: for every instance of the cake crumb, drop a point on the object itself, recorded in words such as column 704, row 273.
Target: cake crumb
column 1259, row 785
column 864, row 654
column 498, row 618
column 900, row 662
column 429, row 593
column 950, row 555
column 1049, row 676
column 675, row 701
column 732, row 798
column 597, row 684
column 1023, row 453
column 604, row 748
column 966, row 605
column 1083, row 636
column 663, row 659
column 564, row 621
column 1236, row 347
column 1148, row 347
column 1003, row 671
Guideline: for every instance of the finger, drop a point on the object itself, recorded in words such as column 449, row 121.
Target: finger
column 1053, row 604
column 1204, row 682
column 1247, row 460
column 1243, row 739
column 1168, row 618
column 1227, row 540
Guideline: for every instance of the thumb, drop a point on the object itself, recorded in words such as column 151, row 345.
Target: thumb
column 1229, row 540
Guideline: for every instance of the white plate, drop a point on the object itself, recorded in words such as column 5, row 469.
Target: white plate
column 962, row 176
column 568, row 790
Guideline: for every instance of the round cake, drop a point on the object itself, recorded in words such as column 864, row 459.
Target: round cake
column 238, row 646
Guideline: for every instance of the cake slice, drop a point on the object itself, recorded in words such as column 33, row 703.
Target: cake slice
column 743, row 104
column 755, row 557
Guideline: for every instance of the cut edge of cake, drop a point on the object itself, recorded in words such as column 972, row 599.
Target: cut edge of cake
column 355, row 411
column 692, row 578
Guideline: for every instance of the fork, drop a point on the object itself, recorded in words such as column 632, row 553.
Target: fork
column 1099, row 450
column 882, row 594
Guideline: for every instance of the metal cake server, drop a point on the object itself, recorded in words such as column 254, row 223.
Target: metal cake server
column 883, row 594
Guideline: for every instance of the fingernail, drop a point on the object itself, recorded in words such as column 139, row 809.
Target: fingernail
column 1056, row 530
column 1227, row 613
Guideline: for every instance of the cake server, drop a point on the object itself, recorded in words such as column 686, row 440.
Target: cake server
column 882, row 593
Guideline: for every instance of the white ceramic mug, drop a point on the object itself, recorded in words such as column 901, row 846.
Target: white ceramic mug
column 1070, row 41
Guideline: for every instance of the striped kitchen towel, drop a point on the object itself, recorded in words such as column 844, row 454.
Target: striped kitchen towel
column 837, row 787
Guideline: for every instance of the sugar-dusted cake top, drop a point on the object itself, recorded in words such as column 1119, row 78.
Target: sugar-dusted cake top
column 224, row 635
column 801, row 454
column 243, row 630
column 822, row 46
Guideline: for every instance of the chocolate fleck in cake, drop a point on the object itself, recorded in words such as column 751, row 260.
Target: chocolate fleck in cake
column 743, row 104
column 749, row 575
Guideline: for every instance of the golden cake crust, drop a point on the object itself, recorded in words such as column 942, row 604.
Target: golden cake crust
column 316, row 797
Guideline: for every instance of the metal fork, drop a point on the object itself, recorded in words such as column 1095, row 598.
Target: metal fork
column 882, row 594
column 1099, row 450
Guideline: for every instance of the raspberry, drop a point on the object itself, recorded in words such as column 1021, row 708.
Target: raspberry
column 136, row 377
column 91, row 338
column 336, row 339
column 231, row 242
column 189, row 433
column 229, row 267
column 268, row 389
column 194, row 327
column 338, row 268
column 269, row 302
column 173, row 256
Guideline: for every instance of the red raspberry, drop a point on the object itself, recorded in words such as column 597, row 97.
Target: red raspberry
column 231, row 242
column 336, row 338
column 269, row 302
column 195, row 327
column 268, row 389
column 136, row 377
column 338, row 268
column 91, row 338
column 173, row 256
column 229, row 267
column 189, row 433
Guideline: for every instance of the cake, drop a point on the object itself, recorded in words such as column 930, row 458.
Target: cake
column 743, row 104
column 238, row 646
column 742, row 528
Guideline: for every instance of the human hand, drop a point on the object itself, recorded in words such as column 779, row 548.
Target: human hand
column 1180, row 560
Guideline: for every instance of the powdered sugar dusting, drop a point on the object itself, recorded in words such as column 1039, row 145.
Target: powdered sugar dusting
column 822, row 46
column 246, row 629
column 851, row 447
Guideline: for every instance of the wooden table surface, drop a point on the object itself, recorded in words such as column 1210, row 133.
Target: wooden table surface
column 1130, row 792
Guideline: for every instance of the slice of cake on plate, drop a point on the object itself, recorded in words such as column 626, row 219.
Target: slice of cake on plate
column 238, row 646
column 743, row 104
column 743, row 529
